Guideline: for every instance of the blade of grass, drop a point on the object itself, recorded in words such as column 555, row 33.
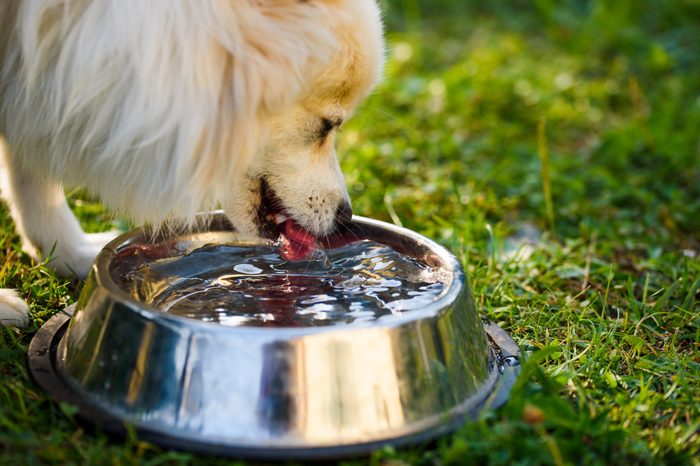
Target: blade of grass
column 543, row 151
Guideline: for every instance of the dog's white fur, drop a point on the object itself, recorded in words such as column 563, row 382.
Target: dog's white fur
column 163, row 108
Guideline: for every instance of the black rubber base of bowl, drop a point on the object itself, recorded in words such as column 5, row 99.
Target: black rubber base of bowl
column 41, row 360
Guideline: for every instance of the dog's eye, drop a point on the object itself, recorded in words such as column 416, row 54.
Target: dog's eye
column 327, row 125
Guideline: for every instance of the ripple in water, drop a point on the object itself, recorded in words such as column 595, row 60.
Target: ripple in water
column 253, row 286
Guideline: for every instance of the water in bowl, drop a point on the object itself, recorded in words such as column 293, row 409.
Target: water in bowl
column 253, row 286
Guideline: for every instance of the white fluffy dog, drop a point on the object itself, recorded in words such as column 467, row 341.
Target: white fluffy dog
column 163, row 108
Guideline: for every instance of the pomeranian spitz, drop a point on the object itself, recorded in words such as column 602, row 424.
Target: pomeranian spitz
column 163, row 108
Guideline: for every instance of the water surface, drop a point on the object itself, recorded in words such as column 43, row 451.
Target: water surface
column 253, row 286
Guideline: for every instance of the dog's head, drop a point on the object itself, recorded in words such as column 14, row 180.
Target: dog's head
column 293, row 185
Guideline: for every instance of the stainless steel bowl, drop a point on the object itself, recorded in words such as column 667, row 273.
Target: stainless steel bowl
column 274, row 393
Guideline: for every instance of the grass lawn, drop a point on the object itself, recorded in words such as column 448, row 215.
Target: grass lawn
column 554, row 147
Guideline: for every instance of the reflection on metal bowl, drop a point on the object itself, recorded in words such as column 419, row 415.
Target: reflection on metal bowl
column 297, row 391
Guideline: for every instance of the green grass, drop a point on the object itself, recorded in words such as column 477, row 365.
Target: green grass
column 555, row 149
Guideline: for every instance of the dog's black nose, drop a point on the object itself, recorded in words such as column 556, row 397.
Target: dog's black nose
column 343, row 215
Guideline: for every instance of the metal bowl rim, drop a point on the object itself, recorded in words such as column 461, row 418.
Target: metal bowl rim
column 451, row 294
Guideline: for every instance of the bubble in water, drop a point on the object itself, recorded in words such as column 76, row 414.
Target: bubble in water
column 320, row 256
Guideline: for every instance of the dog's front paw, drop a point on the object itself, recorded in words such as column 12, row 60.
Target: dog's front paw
column 13, row 309
column 77, row 258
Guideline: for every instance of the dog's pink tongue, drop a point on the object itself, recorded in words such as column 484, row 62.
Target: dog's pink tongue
column 297, row 243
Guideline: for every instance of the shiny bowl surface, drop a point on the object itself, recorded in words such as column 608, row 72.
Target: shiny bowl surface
column 279, row 393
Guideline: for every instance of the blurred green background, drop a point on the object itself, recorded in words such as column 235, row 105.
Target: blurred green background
column 615, row 83
column 554, row 147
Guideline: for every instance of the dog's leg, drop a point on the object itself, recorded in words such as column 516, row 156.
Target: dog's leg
column 46, row 223
column 13, row 310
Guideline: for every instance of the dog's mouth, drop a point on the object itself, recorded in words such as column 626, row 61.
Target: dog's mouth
column 297, row 243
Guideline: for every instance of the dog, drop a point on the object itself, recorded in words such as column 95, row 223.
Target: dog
column 163, row 108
